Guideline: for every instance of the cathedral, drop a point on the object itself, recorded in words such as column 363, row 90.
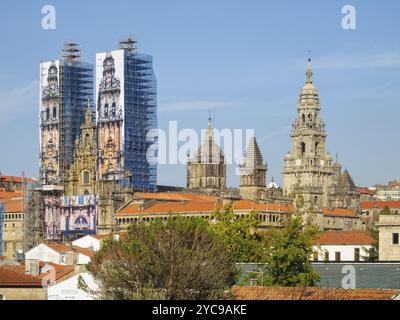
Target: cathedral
column 308, row 167
column 107, row 168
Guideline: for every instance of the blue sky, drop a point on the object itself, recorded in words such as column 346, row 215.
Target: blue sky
column 245, row 60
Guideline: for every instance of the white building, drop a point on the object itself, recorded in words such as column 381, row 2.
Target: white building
column 89, row 242
column 59, row 254
column 69, row 289
column 343, row 246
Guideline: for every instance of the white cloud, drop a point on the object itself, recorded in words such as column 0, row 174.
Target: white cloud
column 19, row 100
column 194, row 105
column 390, row 59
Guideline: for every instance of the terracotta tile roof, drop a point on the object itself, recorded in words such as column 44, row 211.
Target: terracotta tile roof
column 290, row 293
column 340, row 212
column 379, row 204
column 366, row 191
column 61, row 270
column 10, row 194
column 11, row 278
column 178, row 203
column 15, row 267
column 62, row 249
column 344, row 238
column 169, row 207
column 13, row 205
column 169, row 196
column 16, row 179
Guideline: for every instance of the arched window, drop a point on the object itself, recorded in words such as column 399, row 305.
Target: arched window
column 47, row 114
column 86, row 192
column 54, row 113
column 106, row 110
column 113, row 109
column 85, row 177
column 315, row 200
column 304, row 117
column 87, row 138
column 316, row 148
column 303, row 148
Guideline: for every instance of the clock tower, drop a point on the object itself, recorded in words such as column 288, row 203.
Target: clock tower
column 308, row 162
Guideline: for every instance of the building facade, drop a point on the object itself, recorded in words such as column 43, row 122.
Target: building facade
column 126, row 111
column 391, row 191
column 65, row 86
column 389, row 241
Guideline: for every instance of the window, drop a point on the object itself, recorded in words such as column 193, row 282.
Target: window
column 303, row 148
column 85, row 177
column 337, row 256
column 316, row 148
column 106, row 110
column 47, row 114
column 395, row 238
column 304, row 118
column 356, row 254
column 113, row 109
column 54, row 113
column 326, row 258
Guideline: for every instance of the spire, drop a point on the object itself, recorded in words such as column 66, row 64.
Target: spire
column 88, row 113
column 253, row 159
column 308, row 94
column 337, row 164
column 309, row 72
column 209, row 151
column 210, row 130
column 253, row 155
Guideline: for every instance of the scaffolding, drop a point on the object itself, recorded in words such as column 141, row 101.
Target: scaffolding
column 1, row 227
column 76, row 87
column 33, row 210
column 140, row 116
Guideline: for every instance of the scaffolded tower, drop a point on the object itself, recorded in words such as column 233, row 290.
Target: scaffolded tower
column 65, row 86
column 33, row 210
column 125, row 115
column 140, row 115
column 76, row 87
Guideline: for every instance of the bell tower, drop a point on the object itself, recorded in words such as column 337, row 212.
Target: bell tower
column 308, row 162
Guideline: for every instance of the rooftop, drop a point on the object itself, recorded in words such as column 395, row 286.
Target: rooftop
column 344, row 238
column 291, row 293
column 379, row 204
column 12, row 278
column 339, row 212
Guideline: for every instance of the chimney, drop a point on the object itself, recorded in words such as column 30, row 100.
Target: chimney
column 71, row 258
column 32, row 267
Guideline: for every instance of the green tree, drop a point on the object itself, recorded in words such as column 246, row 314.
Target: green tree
column 238, row 233
column 290, row 250
column 386, row 211
column 178, row 259
column 372, row 253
